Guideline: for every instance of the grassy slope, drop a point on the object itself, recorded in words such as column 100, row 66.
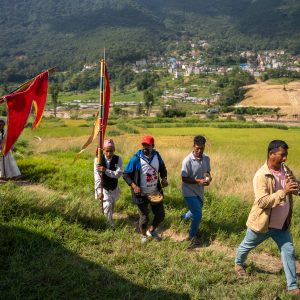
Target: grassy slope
column 54, row 244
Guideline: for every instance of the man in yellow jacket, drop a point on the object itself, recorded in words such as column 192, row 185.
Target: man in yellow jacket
column 271, row 213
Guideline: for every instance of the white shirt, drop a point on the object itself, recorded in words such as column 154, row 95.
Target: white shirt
column 149, row 175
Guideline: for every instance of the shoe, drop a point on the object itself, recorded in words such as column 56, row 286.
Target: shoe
column 240, row 271
column 144, row 239
column 295, row 293
column 112, row 225
column 186, row 216
column 195, row 243
column 154, row 235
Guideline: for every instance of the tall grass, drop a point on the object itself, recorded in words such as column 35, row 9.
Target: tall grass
column 54, row 243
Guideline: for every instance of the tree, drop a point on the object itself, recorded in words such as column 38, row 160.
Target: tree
column 149, row 101
column 139, row 109
column 125, row 76
column 54, row 91
column 146, row 80
column 264, row 76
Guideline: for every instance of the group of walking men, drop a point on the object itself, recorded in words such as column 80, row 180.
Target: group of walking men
column 146, row 175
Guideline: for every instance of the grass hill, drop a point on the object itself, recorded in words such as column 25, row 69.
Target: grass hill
column 39, row 34
column 55, row 244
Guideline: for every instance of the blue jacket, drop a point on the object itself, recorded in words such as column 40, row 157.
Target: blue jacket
column 133, row 170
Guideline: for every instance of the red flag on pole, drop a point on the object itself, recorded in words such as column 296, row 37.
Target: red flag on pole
column 102, row 115
column 19, row 105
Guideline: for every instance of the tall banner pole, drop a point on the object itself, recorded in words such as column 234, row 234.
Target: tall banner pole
column 101, row 131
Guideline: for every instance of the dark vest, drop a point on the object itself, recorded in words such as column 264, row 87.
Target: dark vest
column 108, row 182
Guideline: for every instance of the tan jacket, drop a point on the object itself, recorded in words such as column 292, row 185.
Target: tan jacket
column 265, row 199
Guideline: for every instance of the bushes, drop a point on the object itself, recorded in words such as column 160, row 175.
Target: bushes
column 254, row 110
column 114, row 133
column 127, row 129
column 172, row 113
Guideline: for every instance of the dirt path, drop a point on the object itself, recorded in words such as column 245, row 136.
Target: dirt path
column 263, row 261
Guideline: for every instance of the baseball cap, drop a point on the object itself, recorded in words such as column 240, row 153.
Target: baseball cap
column 148, row 139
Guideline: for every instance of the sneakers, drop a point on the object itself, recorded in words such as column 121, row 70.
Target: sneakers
column 149, row 234
column 240, row 271
column 295, row 293
column 186, row 216
column 144, row 239
column 153, row 234
column 195, row 243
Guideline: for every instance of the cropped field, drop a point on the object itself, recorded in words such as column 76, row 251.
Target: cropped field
column 274, row 95
column 54, row 243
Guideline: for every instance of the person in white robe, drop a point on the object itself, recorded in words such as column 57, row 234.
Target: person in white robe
column 8, row 165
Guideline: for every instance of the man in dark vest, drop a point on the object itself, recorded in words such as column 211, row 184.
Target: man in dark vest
column 112, row 170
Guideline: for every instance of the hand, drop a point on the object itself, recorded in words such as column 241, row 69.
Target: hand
column 101, row 169
column 202, row 181
column 208, row 178
column 291, row 187
column 101, row 196
column 164, row 182
column 290, row 177
column 137, row 190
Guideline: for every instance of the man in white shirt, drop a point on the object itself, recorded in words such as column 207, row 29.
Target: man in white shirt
column 195, row 174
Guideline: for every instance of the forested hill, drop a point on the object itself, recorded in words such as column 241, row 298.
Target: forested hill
column 35, row 34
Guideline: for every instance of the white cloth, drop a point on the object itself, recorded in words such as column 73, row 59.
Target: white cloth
column 109, row 197
column 149, row 175
column 8, row 166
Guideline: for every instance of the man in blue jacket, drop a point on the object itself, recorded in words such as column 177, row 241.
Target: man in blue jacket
column 142, row 175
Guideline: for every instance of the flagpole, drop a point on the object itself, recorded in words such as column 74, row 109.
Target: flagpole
column 101, row 118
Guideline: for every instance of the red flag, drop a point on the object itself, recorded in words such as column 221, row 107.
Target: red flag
column 19, row 105
column 39, row 101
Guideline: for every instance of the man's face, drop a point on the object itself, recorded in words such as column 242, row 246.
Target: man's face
column 109, row 152
column 198, row 150
column 279, row 156
column 147, row 149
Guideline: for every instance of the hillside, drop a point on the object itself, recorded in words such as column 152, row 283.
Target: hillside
column 273, row 95
column 37, row 34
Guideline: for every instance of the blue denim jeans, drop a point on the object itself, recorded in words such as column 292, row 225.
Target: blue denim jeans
column 284, row 241
column 195, row 205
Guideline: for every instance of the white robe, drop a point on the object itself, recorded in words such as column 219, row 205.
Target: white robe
column 8, row 166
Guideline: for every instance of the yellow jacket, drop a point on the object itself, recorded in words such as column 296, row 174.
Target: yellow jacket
column 265, row 199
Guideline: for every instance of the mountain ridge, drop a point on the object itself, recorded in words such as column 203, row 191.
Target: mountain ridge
column 35, row 34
